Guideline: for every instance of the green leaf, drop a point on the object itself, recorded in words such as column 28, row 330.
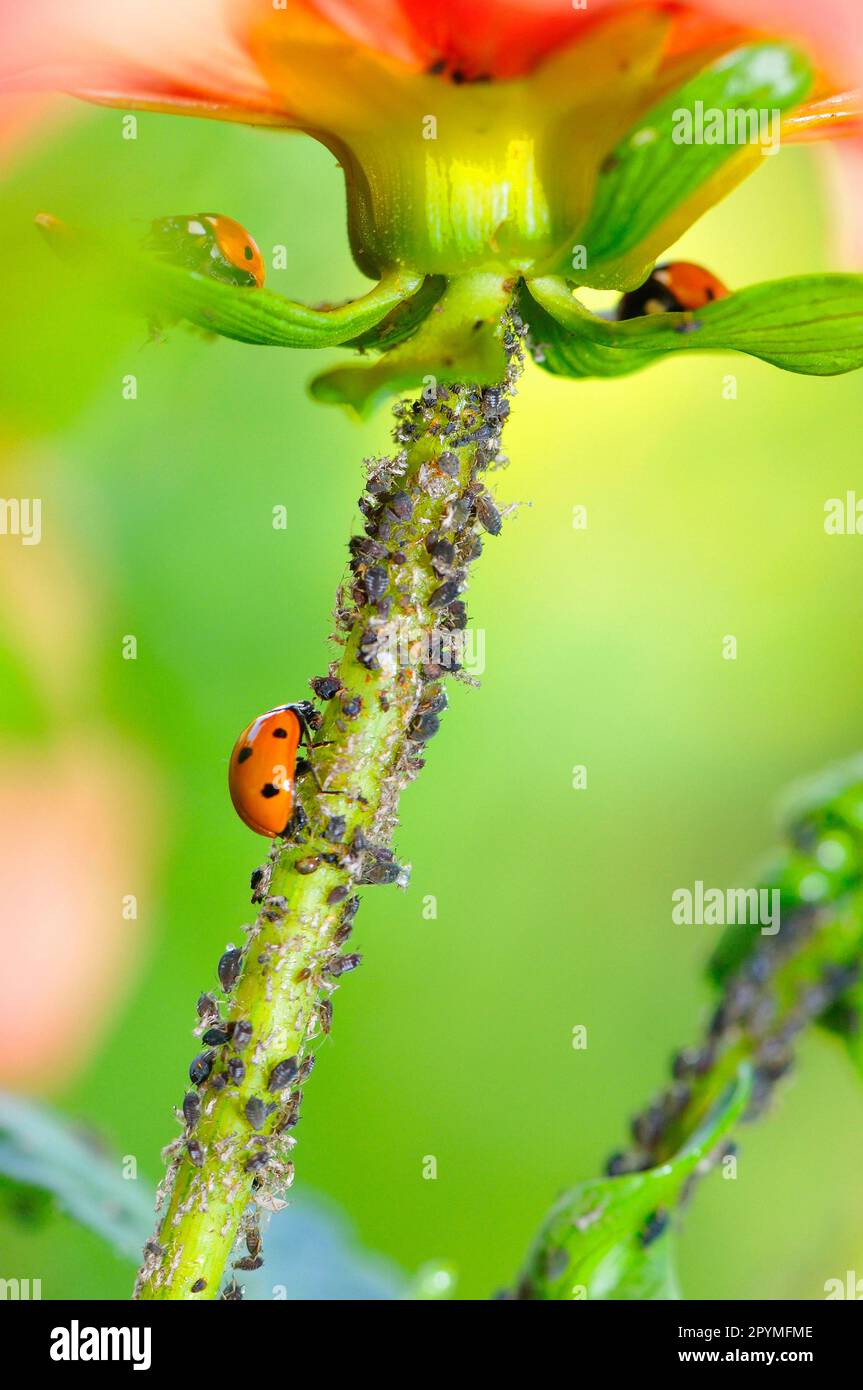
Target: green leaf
column 265, row 318
column 39, row 1150
column 655, row 172
column 812, row 324
column 597, row 1241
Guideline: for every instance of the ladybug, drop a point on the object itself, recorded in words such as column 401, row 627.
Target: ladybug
column 673, row 287
column 210, row 243
column 263, row 766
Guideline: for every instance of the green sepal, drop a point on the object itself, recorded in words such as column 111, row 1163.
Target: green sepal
column 812, row 324
column 268, row 319
column 402, row 321
column 458, row 340
column 649, row 177
column 595, row 1244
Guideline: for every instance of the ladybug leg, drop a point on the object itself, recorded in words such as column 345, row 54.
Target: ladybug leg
column 307, row 764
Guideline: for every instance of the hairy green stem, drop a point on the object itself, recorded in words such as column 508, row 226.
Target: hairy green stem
column 399, row 618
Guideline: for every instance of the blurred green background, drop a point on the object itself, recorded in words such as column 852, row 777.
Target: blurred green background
column 603, row 648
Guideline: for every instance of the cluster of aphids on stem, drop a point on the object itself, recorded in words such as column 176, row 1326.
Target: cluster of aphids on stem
column 749, row 1011
column 424, row 512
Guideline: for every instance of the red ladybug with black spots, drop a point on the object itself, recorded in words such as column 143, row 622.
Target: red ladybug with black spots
column 210, row 243
column 675, row 287
column 263, row 764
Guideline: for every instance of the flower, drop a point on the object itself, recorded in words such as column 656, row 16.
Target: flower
column 470, row 134
column 507, row 139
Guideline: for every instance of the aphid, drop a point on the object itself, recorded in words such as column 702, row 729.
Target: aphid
column 253, row 1240
column 242, row 1034
column 375, row 583
column 215, row 1037
column 306, row 1068
column 325, row 1014
column 218, row 1082
column 256, row 1112
column 335, row 829
column 653, row 1228
column 488, row 515
column 341, row 965
column 207, row 1006
column 262, row 768
column 195, row 1152
column 236, row 1070
column 673, row 287
column 210, row 243
column 325, row 687
column 248, row 1262
column 198, row 1286
column 423, row 727
column 257, row 1161
column 647, row 1127
column 337, row 895
column 283, row 1074
column 233, row 1292
column 229, row 968
column 444, row 594
column 200, row 1067
column 191, row 1108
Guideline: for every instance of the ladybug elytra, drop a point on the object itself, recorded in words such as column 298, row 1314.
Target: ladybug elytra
column 210, row 243
column 263, row 765
column 675, row 287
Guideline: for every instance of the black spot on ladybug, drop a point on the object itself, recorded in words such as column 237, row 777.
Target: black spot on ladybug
column 280, row 733
column 248, row 253
column 244, row 754
column 268, row 791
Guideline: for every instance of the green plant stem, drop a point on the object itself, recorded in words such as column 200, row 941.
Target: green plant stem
column 788, row 983
column 426, row 509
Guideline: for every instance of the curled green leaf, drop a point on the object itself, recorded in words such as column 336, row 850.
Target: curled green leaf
column 605, row 1238
column 266, row 318
column 812, row 324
